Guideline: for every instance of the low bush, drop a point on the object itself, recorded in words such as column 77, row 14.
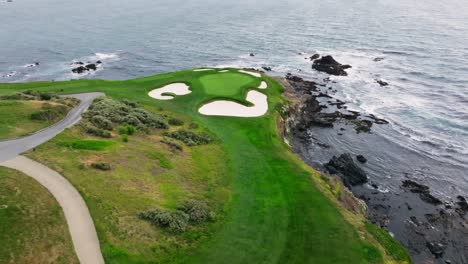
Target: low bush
column 197, row 211
column 125, row 113
column 98, row 132
column 87, row 144
column 175, row 122
column 125, row 138
column 172, row 145
column 174, row 221
column 193, row 126
column 190, row 138
column 101, row 122
column 127, row 130
column 45, row 96
column 101, row 166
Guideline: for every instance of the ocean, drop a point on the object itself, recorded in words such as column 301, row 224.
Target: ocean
column 424, row 46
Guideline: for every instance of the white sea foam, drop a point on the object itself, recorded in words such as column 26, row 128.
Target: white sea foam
column 106, row 56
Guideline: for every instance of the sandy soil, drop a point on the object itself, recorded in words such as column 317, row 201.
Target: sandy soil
column 199, row 70
column 255, row 74
column 175, row 88
column 76, row 212
column 230, row 108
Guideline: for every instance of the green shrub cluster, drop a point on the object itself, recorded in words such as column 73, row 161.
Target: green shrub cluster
column 122, row 113
column 40, row 96
column 190, row 138
column 172, row 145
column 101, row 166
column 178, row 221
column 174, row 221
column 175, row 122
column 98, row 132
column 197, row 211
column 49, row 113
column 127, row 130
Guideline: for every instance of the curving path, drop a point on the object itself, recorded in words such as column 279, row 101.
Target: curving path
column 80, row 223
column 12, row 148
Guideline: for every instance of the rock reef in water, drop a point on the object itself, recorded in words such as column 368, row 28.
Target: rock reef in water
column 347, row 170
column 329, row 65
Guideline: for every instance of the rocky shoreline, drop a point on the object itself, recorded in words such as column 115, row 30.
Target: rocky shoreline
column 433, row 230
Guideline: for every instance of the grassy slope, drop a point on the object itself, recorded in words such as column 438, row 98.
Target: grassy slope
column 15, row 118
column 32, row 227
column 277, row 214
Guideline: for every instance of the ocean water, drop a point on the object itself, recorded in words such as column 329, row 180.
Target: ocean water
column 424, row 45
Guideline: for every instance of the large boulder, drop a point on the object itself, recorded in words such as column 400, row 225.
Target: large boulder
column 349, row 172
column 80, row 69
column 329, row 65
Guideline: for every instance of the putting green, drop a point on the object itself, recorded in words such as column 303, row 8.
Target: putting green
column 227, row 84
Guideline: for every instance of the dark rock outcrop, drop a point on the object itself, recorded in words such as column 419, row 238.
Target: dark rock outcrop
column 329, row 65
column 314, row 57
column 361, row 158
column 382, row 83
column 80, row 69
column 252, row 55
column 91, row 66
column 266, row 68
column 378, row 59
column 349, row 172
column 423, row 191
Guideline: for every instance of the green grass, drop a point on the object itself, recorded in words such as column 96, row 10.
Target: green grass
column 272, row 207
column 87, row 144
column 393, row 248
column 227, row 84
column 15, row 118
column 32, row 225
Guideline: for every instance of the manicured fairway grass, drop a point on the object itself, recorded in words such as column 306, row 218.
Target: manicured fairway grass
column 32, row 225
column 278, row 211
column 15, row 118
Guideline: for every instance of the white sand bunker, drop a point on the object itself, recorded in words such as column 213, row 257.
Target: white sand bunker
column 174, row 88
column 224, row 71
column 199, row 70
column 255, row 74
column 230, row 108
column 263, row 85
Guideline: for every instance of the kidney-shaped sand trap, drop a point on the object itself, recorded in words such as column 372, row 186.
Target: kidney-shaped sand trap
column 230, row 108
column 255, row 74
column 174, row 88
column 263, row 85
column 204, row 69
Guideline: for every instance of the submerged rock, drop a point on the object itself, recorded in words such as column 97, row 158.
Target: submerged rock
column 378, row 59
column 80, row 69
column 382, row 83
column 436, row 248
column 329, row 65
column 91, row 66
column 361, row 158
column 423, row 191
column 252, row 55
column 314, row 57
column 344, row 166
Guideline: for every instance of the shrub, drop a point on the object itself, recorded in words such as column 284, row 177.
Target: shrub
column 48, row 115
column 125, row 138
column 101, row 122
column 174, row 221
column 172, row 145
column 125, row 113
column 127, row 130
column 197, row 211
column 191, row 138
column 101, row 166
column 193, row 126
column 175, row 122
column 45, row 96
column 98, row 132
